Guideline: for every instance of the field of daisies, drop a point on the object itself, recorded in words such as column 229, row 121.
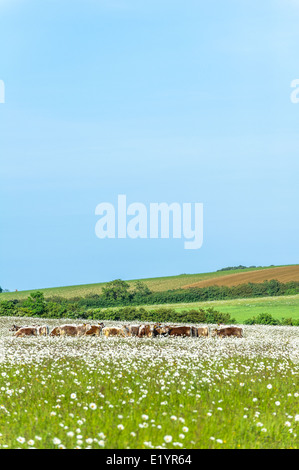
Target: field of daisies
column 153, row 393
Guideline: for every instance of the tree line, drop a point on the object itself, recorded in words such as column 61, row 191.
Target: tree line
column 119, row 294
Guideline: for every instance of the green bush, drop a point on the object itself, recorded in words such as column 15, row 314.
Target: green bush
column 289, row 322
column 99, row 307
column 262, row 319
column 35, row 304
column 7, row 308
column 161, row 314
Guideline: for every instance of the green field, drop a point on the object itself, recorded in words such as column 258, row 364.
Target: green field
column 156, row 284
column 242, row 309
column 155, row 393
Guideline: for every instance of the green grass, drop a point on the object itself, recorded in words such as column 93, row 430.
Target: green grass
column 155, row 284
column 213, row 409
column 242, row 309
column 122, row 393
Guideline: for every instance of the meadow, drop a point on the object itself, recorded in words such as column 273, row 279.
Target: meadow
column 160, row 393
column 242, row 309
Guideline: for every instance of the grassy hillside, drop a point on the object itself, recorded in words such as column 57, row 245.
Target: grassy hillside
column 242, row 309
column 155, row 284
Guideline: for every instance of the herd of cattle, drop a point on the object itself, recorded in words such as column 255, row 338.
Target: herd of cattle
column 139, row 331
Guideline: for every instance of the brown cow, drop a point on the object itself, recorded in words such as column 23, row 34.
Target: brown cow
column 55, row 331
column 115, row 331
column 32, row 331
column 203, row 331
column 132, row 330
column 160, row 330
column 194, row 331
column 70, row 330
column 14, row 328
column 42, row 330
column 228, row 331
column 180, row 331
column 95, row 330
column 146, row 330
column 26, row 331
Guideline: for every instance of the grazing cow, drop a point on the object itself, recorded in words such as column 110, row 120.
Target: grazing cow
column 194, row 331
column 114, row 331
column 132, row 330
column 160, row 330
column 26, row 331
column 14, row 328
column 42, row 330
column 228, row 331
column 180, row 331
column 70, row 330
column 32, row 331
column 55, row 331
column 146, row 330
column 95, row 330
column 203, row 331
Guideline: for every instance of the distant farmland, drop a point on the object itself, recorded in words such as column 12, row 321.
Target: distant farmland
column 156, row 284
column 241, row 309
column 282, row 274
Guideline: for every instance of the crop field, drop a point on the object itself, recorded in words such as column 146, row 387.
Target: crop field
column 116, row 393
column 156, row 284
column 282, row 274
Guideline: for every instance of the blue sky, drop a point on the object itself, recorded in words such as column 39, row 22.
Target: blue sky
column 164, row 101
